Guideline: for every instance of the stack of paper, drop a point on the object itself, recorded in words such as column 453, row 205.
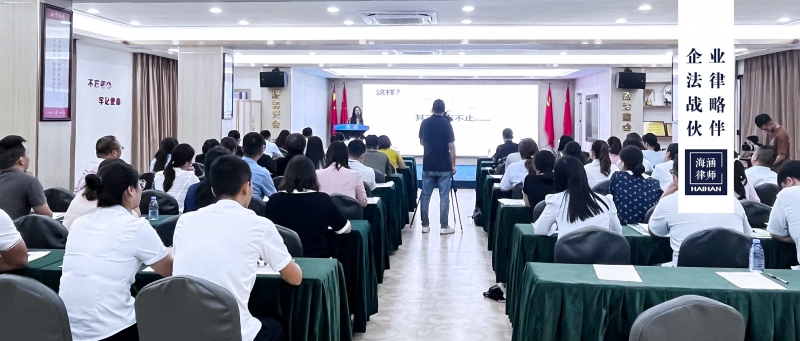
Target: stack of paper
column 750, row 280
column 59, row 215
column 496, row 176
column 512, row 202
column 622, row 273
column 373, row 201
column 34, row 255
column 387, row 184
column 761, row 234
column 641, row 228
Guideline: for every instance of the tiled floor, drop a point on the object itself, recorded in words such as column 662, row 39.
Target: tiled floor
column 434, row 289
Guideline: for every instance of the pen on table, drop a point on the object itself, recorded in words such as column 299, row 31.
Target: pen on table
column 777, row 278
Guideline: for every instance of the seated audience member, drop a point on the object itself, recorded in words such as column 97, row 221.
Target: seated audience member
column 240, row 239
column 784, row 220
column 540, row 180
column 513, row 158
column 356, row 149
column 614, row 147
column 228, row 143
column 163, row 155
column 337, row 177
column 662, row 171
column 634, row 136
column 761, row 172
column 176, row 179
column 601, row 167
column 253, row 148
column 574, row 205
column 295, row 146
column 107, row 147
column 742, row 188
column 634, row 192
column 86, row 202
column 652, row 150
column 281, row 140
column 337, row 137
column 507, row 147
column 385, row 146
column 290, row 208
column 272, row 149
column 562, row 143
column 517, row 171
column 210, row 143
column 13, row 252
column 234, row 134
column 200, row 195
column 648, row 167
column 777, row 138
column 666, row 220
column 104, row 251
column 316, row 152
column 19, row 191
column 574, row 149
column 375, row 159
column 307, row 132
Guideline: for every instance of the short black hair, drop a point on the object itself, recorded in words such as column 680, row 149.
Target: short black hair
column 307, row 132
column 562, row 142
column 632, row 158
column 762, row 119
column 633, row 142
column 544, row 161
column 508, row 134
column 384, row 142
column 111, row 182
column 790, row 170
column 231, row 174
column 766, row 155
column 234, row 134
column 11, row 149
column 208, row 144
column 438, row 107
column 634, row 136
column 356, row 148
column 300, row 175
column 675, row 165
column 372, row 141
column 229, row 143
column 267, row 134
column 295, row 144
column 253, row 143
column 106, row 144
column 614, row 145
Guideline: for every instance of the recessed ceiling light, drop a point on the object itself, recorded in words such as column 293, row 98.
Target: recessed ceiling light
column 585, row 42
column 467, row 8
column 784, row 19
column 465, row 42
column 362, row 41
column 645, row 7
column 237, row 53
column 598, row 41
column 65, row 23
column 321, row 65
column 348, row 22
column 215, row 10
column 384, row 53
column 270, row 42
column 389, row 65
column 288, row 42
column 653, row 65
column 135, row 23
column 244, row 23
column 460, row 64
column 333, row 9
column 621, row 21
column 563, row 53
column 93, row 11
column 555, row 65
column 252, row 64
column 266, row 64
column 312, row 53
column 466, row 21
column 462, row 53
column 372, row 43
column 668, row 53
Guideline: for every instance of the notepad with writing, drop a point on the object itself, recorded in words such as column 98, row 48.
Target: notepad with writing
column 34, row 255
column 622, row 273
column 750, row 280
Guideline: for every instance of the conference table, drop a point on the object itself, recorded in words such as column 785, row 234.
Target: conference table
column 491, row 194
column 375, row 214
column 484, row 195
column 568, row 302
column 317, row 309
column 403, row 189
column 509, row 213
column 480, row 176
column 391, row 196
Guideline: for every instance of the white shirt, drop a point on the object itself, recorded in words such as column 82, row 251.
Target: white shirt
column 653, row 157
column 273, row 151
column 153, row 162
column 9, row 236
column 750, row 192
column 784, row 220
column 367, row 174
column 666, row 220
column 515, row 174
column 757, row 175
column 648, row 167
column 91, row 168
column 183, row 179
column 222, row 243
column 512, row 158
column 661, row 172
column 79, row 207
column 555, row 212
column 595, row 176
column 104, row 251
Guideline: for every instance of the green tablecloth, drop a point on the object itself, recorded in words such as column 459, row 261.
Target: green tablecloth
column 490, row 204
column 400, row 184
column 34, row 268
column 507, row 217
column 486, row 200
column 354, row 250
column 480, row 163
column 392, row 198
column 161, row 218
column 411, row 162
column 480, row 176
column 568, row 302
column 410, row 187
column 374, row 213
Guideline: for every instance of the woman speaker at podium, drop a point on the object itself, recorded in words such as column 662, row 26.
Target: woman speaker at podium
column 356, row 118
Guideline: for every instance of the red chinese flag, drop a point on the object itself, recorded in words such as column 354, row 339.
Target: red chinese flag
column 548, row 119
column 567, row 116
column 345, row 117
column 334, row 115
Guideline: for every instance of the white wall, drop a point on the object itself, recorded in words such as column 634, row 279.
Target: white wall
column 93, row 120
column 310, row 103
column 248, row 79
column 596, row 84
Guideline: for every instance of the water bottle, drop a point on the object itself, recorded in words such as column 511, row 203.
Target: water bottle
column 152, row 212
column 756, row 256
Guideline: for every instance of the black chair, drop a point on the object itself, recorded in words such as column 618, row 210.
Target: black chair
column 41, row 232
column 366, row 189
column 715, row 248
column 167, row 204
column 148, row 178
column 350, row 207
column 166, row 230
column 592, row 245
column 537, row 210
column 199, row 169
column 501, row 167
column 186, row 308
column 257, row 205
column 516, row 192
column 58, row 198
column 768, row 193
column 31, row 311
column 603, row 188
column 757, row 213
column 649, row 214
column 291, row 240
column 380, row 178
column 689, row 318
column 278, row 180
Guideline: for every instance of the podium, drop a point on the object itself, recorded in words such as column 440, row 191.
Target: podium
column 351, row 130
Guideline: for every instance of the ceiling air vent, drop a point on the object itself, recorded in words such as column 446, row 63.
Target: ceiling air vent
column 418, row 52
column 399, row 18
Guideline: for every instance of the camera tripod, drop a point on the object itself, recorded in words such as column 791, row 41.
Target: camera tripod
column 453, row 202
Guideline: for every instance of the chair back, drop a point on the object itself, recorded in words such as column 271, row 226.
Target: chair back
column 715, row 248
column 292, row 241
column 167, row 204
column 768, row 193
column 649, row 214
column 186, row 308
column 366, row 189
column 537, row 211
column 58, row 198
column 31, row 311
column 689, row 318
column 148, row 178
column 258, row 205
column 592, row 245
column 501, row 167
column 350, row 208
column 379, row 177
column 757, row 213
column 603, row 188
column 166, row 230
column 199, row 169
column 516, row 192
column 41, row 232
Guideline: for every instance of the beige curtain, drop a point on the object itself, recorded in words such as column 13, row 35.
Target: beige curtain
column 155, row 106
column 771, row 84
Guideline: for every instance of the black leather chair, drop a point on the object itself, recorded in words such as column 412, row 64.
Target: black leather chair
column 516, row 192
column 291, row 240
column 58, row 198
column 278, row 180
column 379, row 177
column 649, row 214
column 186, row 308
column 768, row 193
column 166, row 203
column 603, row 188
column 592, row 245
column 350, row 207
column 199, row 169
column 689, row 318
column 41, row 232
column 257, row 205
column 148, row 178
column 537, row 210
column 166, row 230
column 715, row 248
column 31, row 311
column 366, row 189
column 501, row 167
column 757, row 213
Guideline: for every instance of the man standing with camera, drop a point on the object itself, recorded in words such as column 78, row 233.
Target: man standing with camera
column 438, row 164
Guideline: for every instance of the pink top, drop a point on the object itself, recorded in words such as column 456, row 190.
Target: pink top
column 614, row 158
column 343, row 181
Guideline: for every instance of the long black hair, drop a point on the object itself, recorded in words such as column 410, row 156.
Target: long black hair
column 651, row 141
column 337, row 155
column 301, row 175
column 164, row 151
column 315, row 152
column 574, row 149
column 281, row 140
column 614, row 145
column 181, row 154
column 563, row 141
column 672, row 151
column 204, row 195
column 739, row 179
column 111, row 182
column 542, row 162
column 357, row 119
column 600, row 150
column 632, row 158
column 90, row 194
column 570, row 178
column 210, row 143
